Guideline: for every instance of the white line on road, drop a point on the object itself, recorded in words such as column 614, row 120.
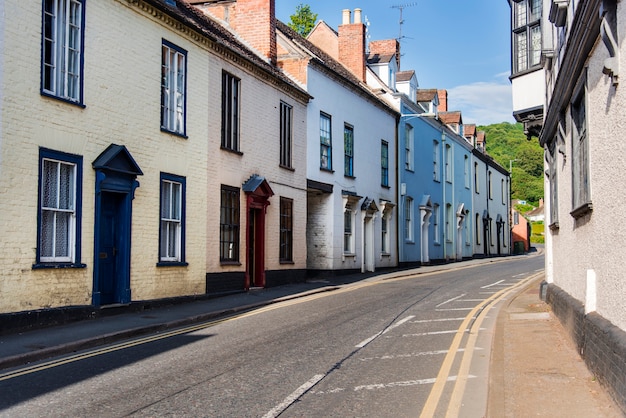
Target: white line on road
column 389, row 328
column 405, row 383
column 423, row 334
column 453, row 309
column 400, row 356
column 450, row 300
column 278, row 409
column 424, row 321
column 492, row 284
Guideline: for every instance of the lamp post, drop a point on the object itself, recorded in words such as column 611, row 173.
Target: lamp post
column 511, row 165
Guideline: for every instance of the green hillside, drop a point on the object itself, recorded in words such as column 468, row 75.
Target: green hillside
column 507, row 144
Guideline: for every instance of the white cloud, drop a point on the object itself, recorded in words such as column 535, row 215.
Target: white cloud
column 483, row 103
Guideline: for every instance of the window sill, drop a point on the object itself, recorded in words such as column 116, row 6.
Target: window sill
column 385, row 186
column 385, row 255
column 286, row 167
column 582, row 210
column 230, row 263
column 64, row 100
column 349, row 255
column 178, row 134
column 349, row 177
column 410, row 170
column 409, row 241
column 328, row 170
column 232, row 151
column 41, row 266
column 286, row 262
column 554, row 226
column 172, row 264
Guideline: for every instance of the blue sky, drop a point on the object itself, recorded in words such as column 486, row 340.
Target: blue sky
column 462, row 46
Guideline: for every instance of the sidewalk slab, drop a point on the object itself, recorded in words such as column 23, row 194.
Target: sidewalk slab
column 535, row 369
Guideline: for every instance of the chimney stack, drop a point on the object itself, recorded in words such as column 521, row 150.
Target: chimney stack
column 352, row 43
column 386, row 47
column 253, row 20
column 443, row 100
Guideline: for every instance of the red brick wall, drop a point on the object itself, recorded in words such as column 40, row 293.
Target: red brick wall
column 352, row 48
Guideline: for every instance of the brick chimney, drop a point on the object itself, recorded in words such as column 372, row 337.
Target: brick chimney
column 386, row 47
column 352, row 43
column 443, row 100
column 253, row 20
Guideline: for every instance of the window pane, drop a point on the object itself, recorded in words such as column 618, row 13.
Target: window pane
column 176, row 201
column 62, row 234
column 49, row 184
column 47, row 234
column 66, row 186
column 535, row 10
column 520, row 13
column 535, row 51
column 521, row 51
column 166, row 199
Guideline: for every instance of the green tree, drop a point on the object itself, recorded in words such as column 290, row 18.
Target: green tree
column 508, row 145
column 303, row 21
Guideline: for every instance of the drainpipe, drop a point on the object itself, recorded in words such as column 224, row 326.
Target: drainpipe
column 443, row 147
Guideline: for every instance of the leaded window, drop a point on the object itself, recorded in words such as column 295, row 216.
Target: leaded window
column 526, row 26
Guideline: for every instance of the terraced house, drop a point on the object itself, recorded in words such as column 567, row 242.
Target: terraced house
column 179, row 173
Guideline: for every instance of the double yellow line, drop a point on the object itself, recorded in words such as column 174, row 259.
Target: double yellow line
column 479, row 312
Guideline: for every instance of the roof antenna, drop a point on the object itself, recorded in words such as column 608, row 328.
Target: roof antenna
column 401, row 22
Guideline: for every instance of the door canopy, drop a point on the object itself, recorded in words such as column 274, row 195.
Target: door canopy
column 114, row 168
column 258, row 191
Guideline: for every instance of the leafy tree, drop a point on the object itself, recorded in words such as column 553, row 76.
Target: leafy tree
column 508, row 145
column 303, row 21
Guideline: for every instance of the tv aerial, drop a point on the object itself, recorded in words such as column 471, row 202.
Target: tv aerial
column 401, row 7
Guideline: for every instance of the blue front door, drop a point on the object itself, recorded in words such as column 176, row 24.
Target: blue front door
column 110, row 270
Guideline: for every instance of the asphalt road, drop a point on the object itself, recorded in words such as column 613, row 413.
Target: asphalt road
column 377, row 348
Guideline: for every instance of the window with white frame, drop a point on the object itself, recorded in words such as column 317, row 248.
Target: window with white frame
column 449, row 222
column 503, row 191
column 62, row 49
column 408, row 148
column 326, row 147
column 408, row 219
column 348, row 232
column 581, row 189
column 526, row 34
column 230, row 111
column 436, row 160
column 172, row 231
column 436, row 223
column 286, row 132
column 489, row 186
column 551, row 156
column 477, row 226
column 384, row 163
column 476, row 179
column 466, row 171
column 60, row 192
column 173, row 88
column 467, row 222
column 348, row 148
column 384, row 233
column 448, row 157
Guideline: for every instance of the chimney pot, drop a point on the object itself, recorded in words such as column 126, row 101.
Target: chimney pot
column 346, row 17
column 357, row 16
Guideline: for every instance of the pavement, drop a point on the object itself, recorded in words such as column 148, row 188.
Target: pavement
column 534, row 369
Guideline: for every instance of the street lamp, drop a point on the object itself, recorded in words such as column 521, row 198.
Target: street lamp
column 511, row 165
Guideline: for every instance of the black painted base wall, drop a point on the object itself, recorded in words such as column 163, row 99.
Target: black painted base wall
column 601, row 344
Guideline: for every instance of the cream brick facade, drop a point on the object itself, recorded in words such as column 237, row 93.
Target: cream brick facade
column 122, row 64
